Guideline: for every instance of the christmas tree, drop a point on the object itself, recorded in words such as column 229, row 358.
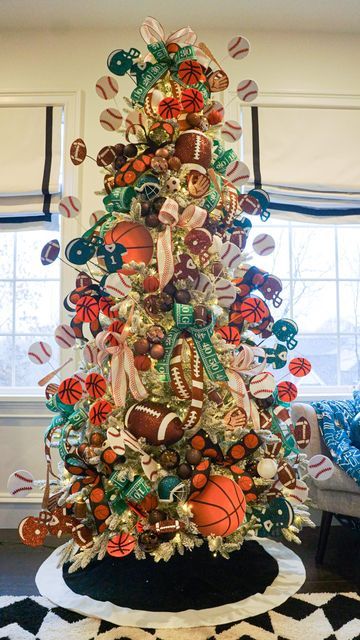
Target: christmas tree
column 173, row 432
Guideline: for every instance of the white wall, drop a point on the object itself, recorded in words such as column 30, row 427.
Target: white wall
column 73, row 60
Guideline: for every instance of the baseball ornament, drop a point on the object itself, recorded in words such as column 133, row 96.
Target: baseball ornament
column 299, row 367
column 238, row 47
column 230, row 255
column 155, row 422
column 237, row 172
column 120, row 545
column 320, row 467
column 247, row 90
column 20, row 483
column 225, row 292
column 267, row 468
column 262, row 385
column 106, row 87
column 117, row 285
column 65, row 336
column 78, row 151
column 218, row 509
column 231, row 131
column 299, row 493
column 263, row 244
column 50, row 252
column 39, row 352
column 111, row 119
column 95, row 216
column 69, row 207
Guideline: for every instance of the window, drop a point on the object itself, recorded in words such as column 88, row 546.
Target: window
column 319, row 266
column 31, row 294
column 30, row 306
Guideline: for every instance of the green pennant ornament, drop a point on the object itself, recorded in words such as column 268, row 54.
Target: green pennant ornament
column 135, row 490
column 185, row 323
column 223, row 160
column 119, row 200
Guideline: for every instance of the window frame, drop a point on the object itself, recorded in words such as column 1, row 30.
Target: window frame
column 72, row 103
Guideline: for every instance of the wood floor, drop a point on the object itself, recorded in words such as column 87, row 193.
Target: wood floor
column 340, row 571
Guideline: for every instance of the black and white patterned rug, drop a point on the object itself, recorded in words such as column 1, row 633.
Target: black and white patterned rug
column 312, row 616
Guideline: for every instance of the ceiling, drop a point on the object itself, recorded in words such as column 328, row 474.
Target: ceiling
column 327, row 16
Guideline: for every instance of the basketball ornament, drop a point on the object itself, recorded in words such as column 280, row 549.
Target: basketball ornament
column 287, row 391
column 247, row 90
column 65, row 336
column 262, row 385
column 169, row 108
column 111, row 119
column 231, row 335
column 95, row 385
column 190, row 72
column 238, row 47
column 20, row 483
column 135, row 238
column 39, row 352
column 218, row 509
column 263, row 244
column 320, row 467
column 120, row 545
column 70, row 391
column 69, row 207
column 231, row 131
column 99, row 412
column 192, row 100
column 50, row 252
column 299, row 367
column 253, row 309
column 107, row 87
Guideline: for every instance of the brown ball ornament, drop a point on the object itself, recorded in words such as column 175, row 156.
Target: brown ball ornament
column 142, row 363
column 174, row 163
column 182, row 296
column 184, row 471
column 193, row 119
column 148, row 541
column 157, row 351
column 169, row 459
column 152, row 220
column 156, row 515
column 162, row 152
column 150, row 284
column 166, row 302
column 193, row 456
column 155, row 334
column 141, row 346
column 159, row 164
column 97, row 439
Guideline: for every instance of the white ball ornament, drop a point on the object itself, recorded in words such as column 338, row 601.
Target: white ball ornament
column 267, row 468
column 173, row 184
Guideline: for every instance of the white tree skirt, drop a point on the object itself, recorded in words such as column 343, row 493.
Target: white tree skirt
column 291, row 576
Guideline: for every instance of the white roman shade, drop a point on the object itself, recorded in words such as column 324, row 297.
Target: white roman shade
column 306, row 158
column 30, row 163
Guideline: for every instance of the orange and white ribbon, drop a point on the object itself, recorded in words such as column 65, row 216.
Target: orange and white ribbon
column 191, row 217
column 124, row 375
column 243, row 364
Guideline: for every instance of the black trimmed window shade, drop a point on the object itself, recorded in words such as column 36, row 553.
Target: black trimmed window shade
column 30, row 164
column 307, row 159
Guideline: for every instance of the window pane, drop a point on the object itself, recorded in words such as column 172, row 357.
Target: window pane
column 350, row 306
column 28, row 250
column 6, row 357
column 27, row 374
column 37, row 307
column 349, row 252
column 315, row 306
column 322, row 353
column 313, row 252
column 6, row 255
column 6, row 307
column 350, row 359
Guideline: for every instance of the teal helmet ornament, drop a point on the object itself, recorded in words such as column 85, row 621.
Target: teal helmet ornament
column 148, row 186
column 285, row 330
column 170, row 488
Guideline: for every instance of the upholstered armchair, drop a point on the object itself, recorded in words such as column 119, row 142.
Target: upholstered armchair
column 339, row 494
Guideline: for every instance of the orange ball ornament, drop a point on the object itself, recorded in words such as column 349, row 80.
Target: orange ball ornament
column 142, row 363
column 219, row 508
column 151, row 284
column 137, row 241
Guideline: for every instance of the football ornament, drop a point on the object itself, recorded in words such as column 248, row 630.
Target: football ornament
column 50, row 252
column 155, row 422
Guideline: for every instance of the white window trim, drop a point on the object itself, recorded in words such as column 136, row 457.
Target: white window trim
column 71, row 102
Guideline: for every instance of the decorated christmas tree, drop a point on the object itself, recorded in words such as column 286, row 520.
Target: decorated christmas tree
column 173, row 432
